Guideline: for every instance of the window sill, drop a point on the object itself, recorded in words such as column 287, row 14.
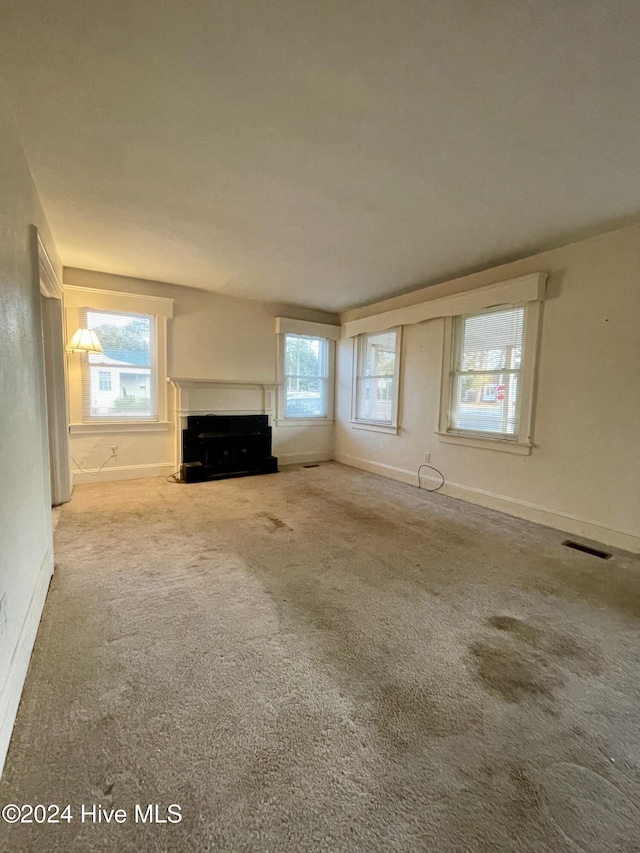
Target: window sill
column 520, row 447
column 300, row 422
column 119, row 426
column 372, row 426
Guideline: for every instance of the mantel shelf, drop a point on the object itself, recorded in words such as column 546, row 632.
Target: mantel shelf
column 179, row 380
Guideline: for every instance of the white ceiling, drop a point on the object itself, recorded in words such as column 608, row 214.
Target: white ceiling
column 324, row 152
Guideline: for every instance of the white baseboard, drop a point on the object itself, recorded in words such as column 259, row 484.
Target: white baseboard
column 14, row 682
column 123, row 472
column 401, row 474
column 557, row 519
column 303, row 458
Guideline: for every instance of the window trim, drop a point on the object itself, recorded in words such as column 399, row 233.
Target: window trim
column 119, row 426
column 390, row 427
column 284, row 420
column 522, row 443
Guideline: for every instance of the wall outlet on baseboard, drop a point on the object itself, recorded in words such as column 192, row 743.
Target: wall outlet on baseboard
column 3, row 615
column 427, row 456
column 114, row 449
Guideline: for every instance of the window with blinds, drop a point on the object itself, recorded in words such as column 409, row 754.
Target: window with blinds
column 486, row 376
column 121, row 382
column 376, row 377
column 306, row 373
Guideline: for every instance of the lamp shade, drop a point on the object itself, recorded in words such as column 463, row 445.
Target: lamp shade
column 84, row 340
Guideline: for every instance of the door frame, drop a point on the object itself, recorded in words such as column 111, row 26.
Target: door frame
column 55, row 377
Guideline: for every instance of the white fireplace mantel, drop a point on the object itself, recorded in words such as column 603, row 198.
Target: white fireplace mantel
column 220, row 397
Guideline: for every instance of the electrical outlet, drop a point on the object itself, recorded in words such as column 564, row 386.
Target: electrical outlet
column 427, row 456
column 3, row 614
column 114, row 449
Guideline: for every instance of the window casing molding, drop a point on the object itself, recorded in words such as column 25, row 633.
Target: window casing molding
column 78, row 299
column 103, row 427
column 522, row 442
column 359, row 349
column 76, row 296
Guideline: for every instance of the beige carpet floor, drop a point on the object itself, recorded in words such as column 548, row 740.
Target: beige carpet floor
column 324, row 660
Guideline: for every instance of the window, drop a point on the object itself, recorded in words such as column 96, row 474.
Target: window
column 488, row 380
column 376, row 378
column 306, row 374
column 120, row 384
column 486, row 373
column 306, row 355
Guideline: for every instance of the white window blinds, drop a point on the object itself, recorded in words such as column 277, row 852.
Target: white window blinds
column 121, row 383
column 486, row 376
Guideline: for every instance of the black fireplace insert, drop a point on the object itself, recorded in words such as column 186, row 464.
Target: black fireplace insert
column 215, row 447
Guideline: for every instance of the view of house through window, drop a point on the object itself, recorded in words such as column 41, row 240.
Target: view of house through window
column 486, row 373
column 376, row 377
column 120, row 383
column 306, row 375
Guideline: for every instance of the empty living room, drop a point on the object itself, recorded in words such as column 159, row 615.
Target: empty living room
column 320, row 414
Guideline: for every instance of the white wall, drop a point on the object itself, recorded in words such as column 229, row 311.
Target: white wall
column 26, row 548
column 211, row 336
column 583, row 475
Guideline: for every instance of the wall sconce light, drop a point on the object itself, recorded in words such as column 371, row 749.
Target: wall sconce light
column 84, row 340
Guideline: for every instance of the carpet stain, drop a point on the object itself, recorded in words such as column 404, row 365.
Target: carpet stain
column 392, row 522
column 552, row 643
column 514, row 673
column 568, row 649
column 526, row 794
column 278, row 523
column 409, row 714
column 520, row 629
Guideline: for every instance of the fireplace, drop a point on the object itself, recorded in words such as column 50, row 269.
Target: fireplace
column 215, row 447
